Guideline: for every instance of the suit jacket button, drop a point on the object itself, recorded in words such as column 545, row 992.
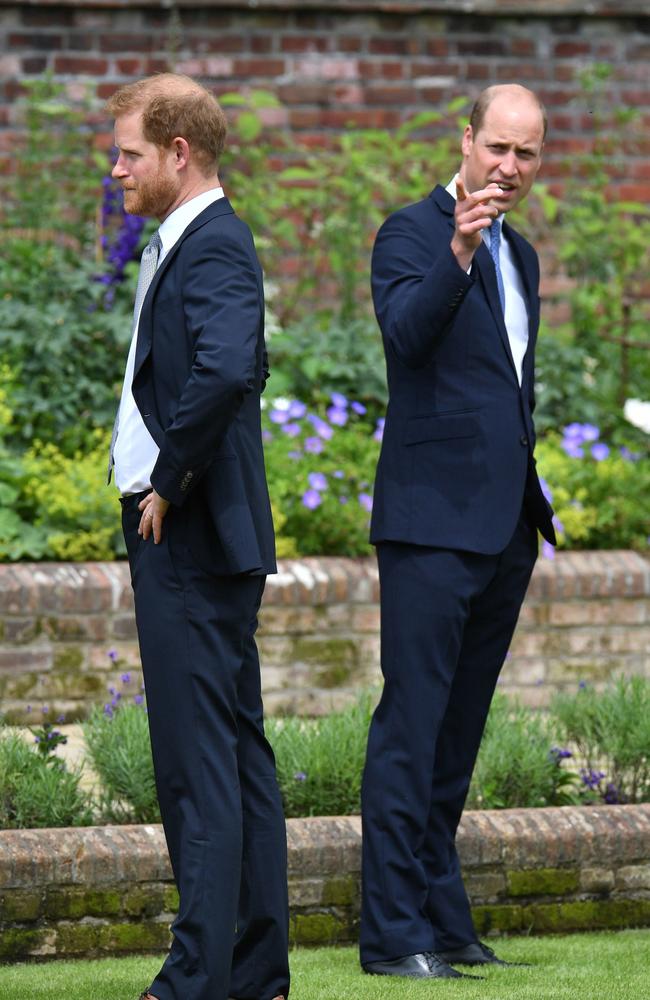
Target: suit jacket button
column 523, row 440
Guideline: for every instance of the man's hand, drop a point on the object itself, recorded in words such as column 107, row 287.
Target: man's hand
column 153, row 509
column 473, row 213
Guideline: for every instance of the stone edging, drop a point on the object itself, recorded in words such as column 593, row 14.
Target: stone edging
column 108, row 890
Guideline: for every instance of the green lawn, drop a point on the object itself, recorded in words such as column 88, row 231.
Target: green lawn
column 613, row 966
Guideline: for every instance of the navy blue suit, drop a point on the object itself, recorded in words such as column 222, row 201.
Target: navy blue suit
column 457, row 506
column 199, row 371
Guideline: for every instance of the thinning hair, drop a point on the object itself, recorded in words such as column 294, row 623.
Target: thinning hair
column 174, row 106
column 485, row 98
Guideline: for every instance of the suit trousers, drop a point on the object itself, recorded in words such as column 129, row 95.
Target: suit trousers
column 215, row 771
column 447, row 618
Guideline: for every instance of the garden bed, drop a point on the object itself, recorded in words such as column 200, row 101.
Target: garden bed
column 108, row 890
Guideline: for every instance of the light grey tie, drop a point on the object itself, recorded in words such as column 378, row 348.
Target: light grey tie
column 148, row 265
column 495, row 244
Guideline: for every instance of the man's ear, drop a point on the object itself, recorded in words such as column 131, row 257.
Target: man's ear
column 181, row 152
column 467, row 141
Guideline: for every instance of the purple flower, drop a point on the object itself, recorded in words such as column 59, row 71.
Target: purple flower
column 379, row 430
column 313, row 445
column 126, row 678
column 266, row 435
column 111, row 690
column 611, row 795
column 590, row 432
column 599, row 451
column 279, row 416
column 300, row 776
column 358, row 408
column 297, row 409
column 548, row 552
column 337, row 416
column 627, row 455
column 339, row 474
column 60, row 719
column 291, row 429
column 112, row 655
column 558, row 753
column 295, row 456
column 343, row 500
column 45, row 709
column 108, row 711
column 311, row 499
column 582, row 685
column 322, row 429
column 591, row 779
column 366, row 501
column 138, row 699
column 317, row 481
column 557, row 524
column 29, row 708
column 339, row 400
column 572, row 447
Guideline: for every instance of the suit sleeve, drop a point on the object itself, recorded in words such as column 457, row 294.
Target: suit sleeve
column 223, row 314
column 417, row 288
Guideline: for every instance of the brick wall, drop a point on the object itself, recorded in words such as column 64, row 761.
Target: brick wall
column 108, row 890
column 586, row 617
column 342, row 61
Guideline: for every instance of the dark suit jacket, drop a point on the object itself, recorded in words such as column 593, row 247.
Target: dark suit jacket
column 199, row 370
column 457, row 452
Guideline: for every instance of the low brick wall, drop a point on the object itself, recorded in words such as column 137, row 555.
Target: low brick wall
column 586, row 617
column 108, row 890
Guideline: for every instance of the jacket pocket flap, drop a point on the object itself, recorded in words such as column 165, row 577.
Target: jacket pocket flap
column 441, row 427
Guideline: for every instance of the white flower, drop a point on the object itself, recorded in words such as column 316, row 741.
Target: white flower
column 637, row 413
column 281, row 403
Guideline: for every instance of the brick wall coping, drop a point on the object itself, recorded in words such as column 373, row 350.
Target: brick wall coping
column 522, row 8
column 516, row 838
column 105, row 586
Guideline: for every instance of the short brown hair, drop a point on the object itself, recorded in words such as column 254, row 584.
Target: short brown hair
column 485, row 98
column 174, row 105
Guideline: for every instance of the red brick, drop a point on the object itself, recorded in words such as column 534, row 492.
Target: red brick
column 129, row 67
column 304, row 43
column 130, row 42
column 36, row 40
column 34, row 64
column 437, row 47
column 394, row 46
column 77, row 64
column 349, row 43
column 157, row 65
column 522, row 47
column 392, row 95
column 258, row 67
column 567, row 50
column 507, row 70
column 217, row 43
column 260, row 43
column 381, row 70
column 482, row 47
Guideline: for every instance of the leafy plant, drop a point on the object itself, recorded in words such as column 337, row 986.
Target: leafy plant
column 37, row 789
column 119, row 750
column 611, row 731
column 320, row 761
column 518, row 765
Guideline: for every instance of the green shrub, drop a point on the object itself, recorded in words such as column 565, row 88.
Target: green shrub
column 36, row 789
column 119, row 750
column 320, row 761
column 600, row 494
column 611, row 731
column 518, row 765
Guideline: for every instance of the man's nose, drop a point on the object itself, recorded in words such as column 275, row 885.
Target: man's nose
column 508, row 164
column 118, row 170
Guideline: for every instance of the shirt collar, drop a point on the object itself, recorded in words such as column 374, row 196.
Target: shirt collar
column 175, row 224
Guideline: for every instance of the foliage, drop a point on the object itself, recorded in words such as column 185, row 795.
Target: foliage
column 119, row 750
column 65, row 313
column 611, row 731
column 320, row 761
column 590, row 365
column 600, row 494
column 36, row 789
column 517, row 765
column 324, row 208
column 320, row 470
column 313, row 359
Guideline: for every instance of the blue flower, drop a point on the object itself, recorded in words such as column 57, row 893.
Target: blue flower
column 343, row 500
column 267, row 435
column 337, row 416
column 546, row 489
column 108, row 711
column 317, row 481
column 293, row 430
column 339, row 400
column 339, row 474
column 313, row 445
column 126, row 678
column 295, row 456
column 297, row 409
column 311, row 499
column 138, row 699
column 112, row 655
column 366, row 501
column 300, row 776
column 379, row 430
column 599, row 451
column 558, row 754
column 573, row 447
column 548, row 552
column 279, row 416
column 358, row 408
column 322, row 429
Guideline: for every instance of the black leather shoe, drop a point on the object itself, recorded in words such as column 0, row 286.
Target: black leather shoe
column 423, row 965
column 475, row 953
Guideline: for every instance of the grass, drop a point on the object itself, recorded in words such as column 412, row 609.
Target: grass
column 607, row 966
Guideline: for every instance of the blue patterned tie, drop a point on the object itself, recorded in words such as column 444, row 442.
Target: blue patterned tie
column 495, row 243
column 148, row 265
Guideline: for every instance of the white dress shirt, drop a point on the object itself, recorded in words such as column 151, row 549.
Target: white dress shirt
column 516, row 311
column 135, row 452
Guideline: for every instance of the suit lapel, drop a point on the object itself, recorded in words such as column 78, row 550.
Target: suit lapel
column 145, row 326
column 532, row 301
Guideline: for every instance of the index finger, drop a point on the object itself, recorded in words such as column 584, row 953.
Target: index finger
column 485, row 194
column 461, row 193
